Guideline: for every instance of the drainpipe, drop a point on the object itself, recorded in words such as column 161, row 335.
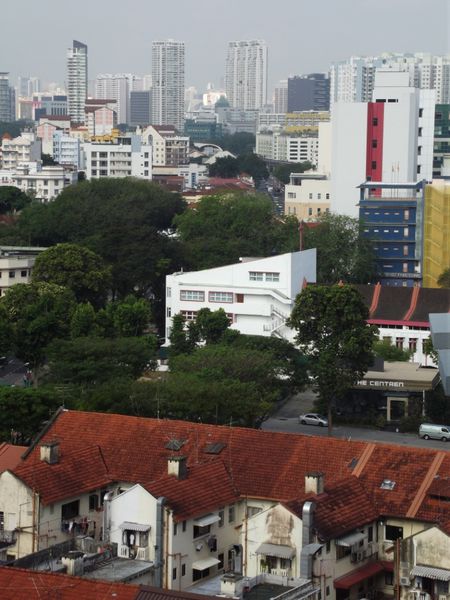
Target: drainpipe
column 159, row 547
column 306, row 559
column 106, row 515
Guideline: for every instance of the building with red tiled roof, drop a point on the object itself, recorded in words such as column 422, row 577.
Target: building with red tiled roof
column 10, row 456
column 193, row 498
column 22, row 584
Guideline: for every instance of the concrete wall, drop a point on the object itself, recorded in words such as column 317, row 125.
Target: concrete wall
column 16, row 502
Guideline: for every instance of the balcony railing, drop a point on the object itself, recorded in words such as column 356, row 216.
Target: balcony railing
column 7, row 537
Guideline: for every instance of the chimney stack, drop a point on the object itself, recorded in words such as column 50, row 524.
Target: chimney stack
column 314, row 483
column 177, row 465
column 50, row 452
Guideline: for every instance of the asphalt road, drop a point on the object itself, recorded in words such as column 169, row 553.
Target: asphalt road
column 286, row 420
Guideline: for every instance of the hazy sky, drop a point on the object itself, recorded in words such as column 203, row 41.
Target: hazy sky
column 302, row 35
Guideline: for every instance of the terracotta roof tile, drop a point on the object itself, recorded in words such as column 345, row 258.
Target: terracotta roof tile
column 21, row 584
column 10, row 456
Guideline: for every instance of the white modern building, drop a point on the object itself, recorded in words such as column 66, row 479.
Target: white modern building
column 20, row 151
column 66, row 149
column 42, row 183
column 116, row 87
column 389, row 139
column 277, row 144
column 246, row 74
column 168, row 83
column 307, row 196
column 125, row 157
column 353, row 80
column 16, row 265
column 77, row 80
column 258, row 295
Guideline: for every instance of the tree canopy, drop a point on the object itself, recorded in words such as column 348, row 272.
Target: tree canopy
column 283, row 172
column 77, row 268
column 12, row 199
column 390, row 352
column 330, row 322
column 343, row 254
column 225, row 167
column 224, row 227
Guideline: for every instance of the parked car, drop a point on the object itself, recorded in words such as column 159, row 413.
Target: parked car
column 427, row 431
column 313, row 419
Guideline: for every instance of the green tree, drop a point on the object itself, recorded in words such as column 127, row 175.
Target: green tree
column 182, row 340
column 90, row 361
column 24, row 412
column 12, row 199
column 254, row 165
column 76, row 268
column 330, row 322
column 5, row 330
column 129, row 317
column 226, row 167
column 444, row 279
column 211, row 325
column 83, row 322
column 390, row 352
column 238, row 143
column 283, row 172
column 430, row 350
column 343, row 254
column 38, row 313
column 48, row 160
column 225, row 227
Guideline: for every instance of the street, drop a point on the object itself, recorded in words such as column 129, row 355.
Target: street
column 286, row 420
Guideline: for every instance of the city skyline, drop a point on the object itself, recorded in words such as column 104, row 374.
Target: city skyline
column 295, row 45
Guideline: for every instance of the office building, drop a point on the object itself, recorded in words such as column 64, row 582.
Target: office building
column 246, row 74
column 392, row 214
column 77, row 80
column 140, row 108
column 168, row 83
column 7, row 99
column 116, row 87
column 280, row 97
column 388, row 140
column 279, row 145
column 308, row 92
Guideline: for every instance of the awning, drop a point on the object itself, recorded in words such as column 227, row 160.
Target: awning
column 206, row 520
column 351, row 540
column 276, row 550
column 431, row 573
column 311, row 549
column 134, row 526
column 355, row 577
column 201, row 565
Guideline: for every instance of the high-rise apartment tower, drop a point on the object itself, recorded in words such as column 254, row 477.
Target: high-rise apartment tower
column 246, row 74
column 168, row 83
column 77, row 80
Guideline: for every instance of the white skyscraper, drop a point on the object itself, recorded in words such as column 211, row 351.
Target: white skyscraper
column 116, row 87
column 168, row 83
column 246, row 74
column 77, row 80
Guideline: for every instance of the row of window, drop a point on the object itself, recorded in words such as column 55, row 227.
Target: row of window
column 405, row 231
column 293, row 195
column 264, row 276
column 12, row 274
column 406, row 214
column 191, row 315
column 221, row 297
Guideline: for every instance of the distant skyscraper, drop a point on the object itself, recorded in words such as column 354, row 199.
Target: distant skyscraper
column 246, row 74
column 168, row 83
column 309, row 92
column 115, row 87
column 280, row 97
column 77, row 80
column 7, row 99
column 140, row 108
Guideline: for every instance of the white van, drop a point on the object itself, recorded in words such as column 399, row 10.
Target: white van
column 427, row 431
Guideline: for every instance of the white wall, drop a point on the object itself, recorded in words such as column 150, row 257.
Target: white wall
column 16, row 502
column 348, row 156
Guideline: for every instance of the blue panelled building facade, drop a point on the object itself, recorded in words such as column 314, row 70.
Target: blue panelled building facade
column 392, row 217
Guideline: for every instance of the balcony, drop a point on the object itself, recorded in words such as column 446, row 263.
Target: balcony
column 7, row 538
column 134, row 552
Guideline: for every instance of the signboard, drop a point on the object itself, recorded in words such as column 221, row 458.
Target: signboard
column 381, row 383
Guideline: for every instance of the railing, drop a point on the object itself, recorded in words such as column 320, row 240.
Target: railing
column 7, row 537
column 142, row 554
column 124, row 551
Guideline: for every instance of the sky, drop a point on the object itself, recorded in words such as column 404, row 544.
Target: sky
column 303, row 36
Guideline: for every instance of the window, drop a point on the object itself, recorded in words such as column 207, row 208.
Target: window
column 418, row 168
column 175, row 528
column 374, row 143
column 23, row 273
column 393, row 533
column 221, row 297
column 220, row 558
column 255, row 276
column 420, row 112
column 405, row 232
column 374, row 164
column 70, row 510
column 174, row 573
column 231, row 513
column 310, row 196
column 370, row 534
column 272, row 277
column 168, row 312
column 292, row 195
column 388, row 578
column 12, row 274
column 192, row 295
column 328, row 546
column 189, row 315
column 375, row 121
column 319, row 210
column 2, row 521
column 310, row 211
column 399, row 342
column 412, row 344
column 183, row 570
column 342, row 552
column 405, row 250
column 221, row 517
column 199, row 531
column 93, row 502
column 253, row 510
column 420, row 131
column 327, row 196
column 169, row 292
column 240, row 298
column 319, row 196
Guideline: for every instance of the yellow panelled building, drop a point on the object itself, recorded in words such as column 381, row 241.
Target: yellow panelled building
column 436, row 240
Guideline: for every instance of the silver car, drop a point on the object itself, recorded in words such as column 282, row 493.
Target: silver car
column 313, row 419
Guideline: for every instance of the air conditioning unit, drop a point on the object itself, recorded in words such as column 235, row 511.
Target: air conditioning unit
column 198, row 547
column 405, row 581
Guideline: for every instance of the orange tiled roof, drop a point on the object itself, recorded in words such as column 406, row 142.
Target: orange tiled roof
column 99, row 448
column 21, row 584
column 10, row 456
